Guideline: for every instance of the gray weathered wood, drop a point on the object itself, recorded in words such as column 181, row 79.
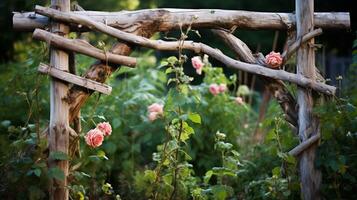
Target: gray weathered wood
column 296, row 151
column 295, row 45
column 167, row 19
column 59, row 130
column 77, row 80
column 310, row 177
column 196, row 47
column 81, row 46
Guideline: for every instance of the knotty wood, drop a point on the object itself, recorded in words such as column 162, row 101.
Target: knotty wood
column 163, row 19
column 71, row 78
column 310, row 177
column 59, row 125
column 81, row 46
column 189, row 45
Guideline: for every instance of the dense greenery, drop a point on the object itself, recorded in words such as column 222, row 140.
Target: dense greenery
column 202, row 148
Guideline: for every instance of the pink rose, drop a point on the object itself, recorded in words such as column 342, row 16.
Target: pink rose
column 155, row 107
column 105, row 127
column 94, row 138
column 274, row 60
column 214, row 89
column 239, row 100
column 153, row 116
column 222, row 87
column 155, row 111
column 197, row 64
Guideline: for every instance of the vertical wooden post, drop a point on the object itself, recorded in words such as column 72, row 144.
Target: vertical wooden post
column 310, row 177
column 59, row 124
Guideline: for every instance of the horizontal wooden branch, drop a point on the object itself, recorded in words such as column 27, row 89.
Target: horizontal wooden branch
column 167, row 19
column 294, row 46
column 81, row 46
column 189, row 45
column 304, row 145
column 77, row 80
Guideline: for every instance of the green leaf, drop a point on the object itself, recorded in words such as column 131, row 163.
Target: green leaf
column 163, row 64
column 56, row 173
column 58, row 155
column 169, row 70
column 187, row 131
column 37, row 172
column 290, row 159
column 101, row 154
column 172, row 60
column 195, row 118
column 150, row 176
column 207, row 176
column 276, row 171
column 243, row 90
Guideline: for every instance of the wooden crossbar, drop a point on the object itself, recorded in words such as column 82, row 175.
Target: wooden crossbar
column 77, row 80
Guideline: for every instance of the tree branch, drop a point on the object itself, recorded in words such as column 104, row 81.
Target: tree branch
column 189, row 45
column 304, row 145
column 163, row 19
column 82, row 47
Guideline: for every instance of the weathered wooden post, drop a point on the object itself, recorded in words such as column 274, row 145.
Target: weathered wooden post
column 59, row 124
column 309, row 175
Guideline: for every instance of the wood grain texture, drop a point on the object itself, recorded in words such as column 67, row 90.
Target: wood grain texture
column 189, row 45
column 77, row 80
column 59, row 129
column 310, row 177
column 83, row 47
column 164, row 19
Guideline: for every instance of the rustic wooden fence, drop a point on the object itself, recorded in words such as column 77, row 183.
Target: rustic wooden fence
column 133, row 28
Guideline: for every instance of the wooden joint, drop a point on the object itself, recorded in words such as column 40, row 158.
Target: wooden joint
column 76, row 80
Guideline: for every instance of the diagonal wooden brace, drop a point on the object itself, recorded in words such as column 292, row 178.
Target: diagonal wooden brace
column 77, row 80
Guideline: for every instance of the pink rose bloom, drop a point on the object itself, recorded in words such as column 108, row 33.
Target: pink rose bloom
column 155, row 111
column 153, row 116
column 94, row 138
column 197, row 64
column 214, row 89
column 274, row 60
column 155, row 107
column 222, row 87
column 239, row 100
column 105, row 127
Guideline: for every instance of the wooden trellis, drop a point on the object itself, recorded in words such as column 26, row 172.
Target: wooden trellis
column 133, row 28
